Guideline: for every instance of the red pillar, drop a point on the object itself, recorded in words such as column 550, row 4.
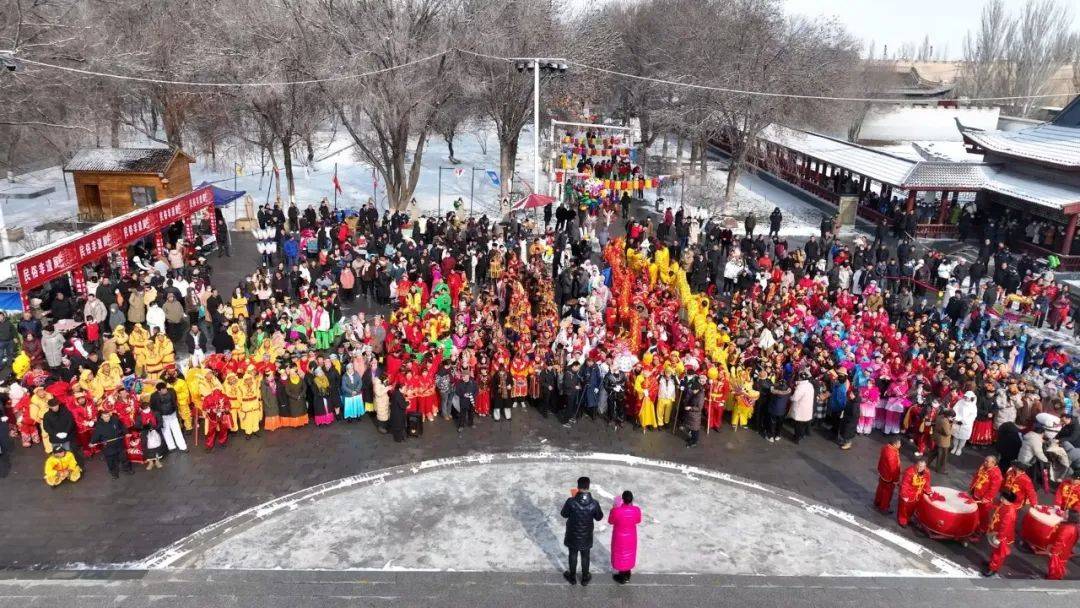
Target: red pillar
column 910, row 201
column 1070, row 233
column 943, row 207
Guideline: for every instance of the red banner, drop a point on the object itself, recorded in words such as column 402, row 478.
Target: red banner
column 44, row 266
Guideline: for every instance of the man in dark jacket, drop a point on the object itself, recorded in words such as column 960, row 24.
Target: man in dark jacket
column 109, row 434
column 571, row 389
column 59, row 425
column 580, row 511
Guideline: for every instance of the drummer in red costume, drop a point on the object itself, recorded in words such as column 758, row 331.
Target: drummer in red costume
column 914, row 483
column 1018, row 482
column 1061, row 548
column 888, row 467
column 1002, row 531
column 1068, row 493
column 985, row 486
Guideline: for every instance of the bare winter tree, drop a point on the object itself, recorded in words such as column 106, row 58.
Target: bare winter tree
column 389, row 111
column 501, row 93
column 1016, row 56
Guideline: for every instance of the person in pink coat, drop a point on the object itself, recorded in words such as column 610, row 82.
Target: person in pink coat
column 624, row 518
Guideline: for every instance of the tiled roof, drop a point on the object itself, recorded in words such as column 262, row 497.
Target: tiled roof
column 1044, row 143
column 1039, row 191
column 874, row 164
column 940, row 174
column 121, row 160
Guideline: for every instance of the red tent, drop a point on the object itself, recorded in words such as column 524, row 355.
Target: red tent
column 533, row 201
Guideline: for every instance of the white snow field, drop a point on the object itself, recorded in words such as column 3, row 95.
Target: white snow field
column 501, row 513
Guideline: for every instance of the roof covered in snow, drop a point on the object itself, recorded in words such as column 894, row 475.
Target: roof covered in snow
column 1046, row 144
column 875, row 164
column 929, row 175
column 124, row 160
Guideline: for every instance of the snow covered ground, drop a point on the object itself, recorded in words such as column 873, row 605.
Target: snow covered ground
column 501, row 513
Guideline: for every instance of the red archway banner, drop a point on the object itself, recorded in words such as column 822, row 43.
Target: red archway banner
column 46, row 264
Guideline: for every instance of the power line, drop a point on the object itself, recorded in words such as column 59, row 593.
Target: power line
column 675, row 83
column 691, row 85
column 230, row 84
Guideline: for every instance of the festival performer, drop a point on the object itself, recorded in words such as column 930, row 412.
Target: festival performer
column 1067, row 496
column 914, row 483
column 1018, row 482
column 1002, row 531
column 744, row 397
column 217, row 413
column 1062, row 544
column 60, row 466
column 647, row 387
column 715, row 399
column 984, row 488
column 183, row 396
column 888, row 475
column 232, row 389
column 251, row 408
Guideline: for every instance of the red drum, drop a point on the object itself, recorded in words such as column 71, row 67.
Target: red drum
column 946, row 513
column 133, row 447
column 1038, row 526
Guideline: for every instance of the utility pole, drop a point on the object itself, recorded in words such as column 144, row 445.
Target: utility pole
column 553, row 67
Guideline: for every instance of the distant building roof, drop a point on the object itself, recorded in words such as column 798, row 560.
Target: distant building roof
column 874, row 164
column 1046, row 144
column 907, row 174
column 124, row 160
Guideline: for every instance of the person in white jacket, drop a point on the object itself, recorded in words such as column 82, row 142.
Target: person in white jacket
column 966, row 411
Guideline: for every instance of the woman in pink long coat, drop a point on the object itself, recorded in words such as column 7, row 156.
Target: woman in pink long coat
column 624, row 518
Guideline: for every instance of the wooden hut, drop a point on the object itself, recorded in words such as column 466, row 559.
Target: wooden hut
column 110, row 182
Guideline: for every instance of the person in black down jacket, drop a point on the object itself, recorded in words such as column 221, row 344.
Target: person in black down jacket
column 109, row 433
column 580, row 511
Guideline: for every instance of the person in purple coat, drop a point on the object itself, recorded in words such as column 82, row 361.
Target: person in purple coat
column 624, row 518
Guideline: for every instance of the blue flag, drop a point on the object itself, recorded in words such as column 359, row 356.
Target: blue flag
column 494, row 177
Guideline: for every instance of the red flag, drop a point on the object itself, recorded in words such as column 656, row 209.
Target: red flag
column 337, row 184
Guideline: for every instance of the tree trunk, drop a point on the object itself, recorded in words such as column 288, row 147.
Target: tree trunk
column 174, row 123
column 693, row 153
column 310, row 150
column 507, row 161
column 703, row 158
column 664, row 149
column 450, row 146
column 286, row 158
column 114, row 128
column 678, row 151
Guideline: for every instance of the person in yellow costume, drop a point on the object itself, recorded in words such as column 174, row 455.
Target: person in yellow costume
column 645, row 385
column 239, row 338
column 60, row 466
column 193, row 380
column 20, row 365
column 743, row 397
column 207, row 383
column 665, row 397
column 88, row 384
column 164, row 347
column 109, row 377
column 39, row 404
column 232, row 389
column 183, row 396
column 153, row 361
column 239, row 304
column 120, row 336
column 139, row 340
column 250, row 402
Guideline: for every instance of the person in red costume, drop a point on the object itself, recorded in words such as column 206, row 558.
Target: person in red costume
column 1061, row 546
column 1068, row 493
column 1018, row 482
column 216, row 407
column 914, row 483
column 1002, row 531
column 888, row 468
column 985, row 486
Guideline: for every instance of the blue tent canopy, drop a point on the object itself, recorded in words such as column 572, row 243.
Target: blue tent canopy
column 10, row 301
column 223, row 197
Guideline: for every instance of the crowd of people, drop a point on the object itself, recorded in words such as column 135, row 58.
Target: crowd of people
column 675, row 322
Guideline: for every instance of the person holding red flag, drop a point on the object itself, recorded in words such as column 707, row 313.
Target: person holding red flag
column 985, row 486
column 888, row 467
column 915, row 483
column 1061, row 546
column 1002, row 531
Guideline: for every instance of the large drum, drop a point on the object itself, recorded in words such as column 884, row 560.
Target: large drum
column 947, row 513
column 1037, row 529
